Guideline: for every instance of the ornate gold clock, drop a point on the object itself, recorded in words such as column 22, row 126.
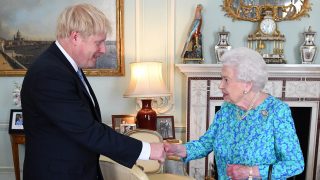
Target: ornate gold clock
column 267, row 25
column 268, row 40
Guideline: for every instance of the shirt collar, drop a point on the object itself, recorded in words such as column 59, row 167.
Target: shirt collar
column 69, row 58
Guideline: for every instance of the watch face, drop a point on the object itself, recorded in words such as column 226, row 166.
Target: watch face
column 267, row 26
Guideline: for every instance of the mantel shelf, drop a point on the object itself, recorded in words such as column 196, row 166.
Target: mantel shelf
column 275, row 70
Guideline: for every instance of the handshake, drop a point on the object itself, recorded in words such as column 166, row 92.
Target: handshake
column 161, row 151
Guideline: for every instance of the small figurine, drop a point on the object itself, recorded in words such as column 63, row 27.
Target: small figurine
column 193, row 47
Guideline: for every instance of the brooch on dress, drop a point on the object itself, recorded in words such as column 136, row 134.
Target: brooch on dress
column 264, row 113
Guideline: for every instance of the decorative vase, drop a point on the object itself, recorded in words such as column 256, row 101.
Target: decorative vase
column 146, row 116
column 308, row 49
column 223, row 44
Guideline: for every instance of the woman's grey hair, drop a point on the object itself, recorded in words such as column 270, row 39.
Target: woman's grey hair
column 249, row 66
column 83, row 18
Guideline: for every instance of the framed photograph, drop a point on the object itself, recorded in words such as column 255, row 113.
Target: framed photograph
column 27, row 29
column 165, row 126
column 16, row 122
column 124, row 128
column 117, row 120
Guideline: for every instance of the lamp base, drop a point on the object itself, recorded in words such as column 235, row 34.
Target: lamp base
column 146, row 116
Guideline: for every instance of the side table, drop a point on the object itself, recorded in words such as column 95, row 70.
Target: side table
column 16, row 139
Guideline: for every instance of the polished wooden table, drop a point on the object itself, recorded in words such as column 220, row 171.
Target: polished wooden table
column 16, row 139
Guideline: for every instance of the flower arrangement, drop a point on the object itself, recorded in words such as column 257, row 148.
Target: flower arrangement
column 16, row 94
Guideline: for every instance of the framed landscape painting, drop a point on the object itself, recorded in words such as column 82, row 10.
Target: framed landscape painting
column 28, row 27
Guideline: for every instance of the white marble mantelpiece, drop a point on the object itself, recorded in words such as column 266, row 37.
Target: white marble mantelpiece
column 296, row 84
column 275, row 70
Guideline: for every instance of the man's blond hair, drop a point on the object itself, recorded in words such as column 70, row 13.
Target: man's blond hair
column 83, row 18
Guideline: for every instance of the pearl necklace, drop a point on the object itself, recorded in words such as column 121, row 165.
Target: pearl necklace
column 249, row 109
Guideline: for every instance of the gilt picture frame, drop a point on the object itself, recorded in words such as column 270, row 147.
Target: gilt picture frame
column 16, row 122
column 22, row 30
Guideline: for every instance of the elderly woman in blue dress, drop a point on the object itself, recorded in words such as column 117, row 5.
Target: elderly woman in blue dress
column 252, row 130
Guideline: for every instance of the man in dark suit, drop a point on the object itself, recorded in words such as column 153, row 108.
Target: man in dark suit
column 62, row 121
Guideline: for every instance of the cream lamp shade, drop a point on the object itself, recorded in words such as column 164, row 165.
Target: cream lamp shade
column 146, row 81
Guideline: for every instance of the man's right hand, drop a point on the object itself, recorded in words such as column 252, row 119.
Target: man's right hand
column 157, row 152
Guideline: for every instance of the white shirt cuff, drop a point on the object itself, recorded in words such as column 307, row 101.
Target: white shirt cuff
column 145, row 152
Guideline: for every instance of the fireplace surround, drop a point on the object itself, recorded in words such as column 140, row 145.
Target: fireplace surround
column 296, row 84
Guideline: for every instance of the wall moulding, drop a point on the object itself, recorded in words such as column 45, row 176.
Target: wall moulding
column 163, row 36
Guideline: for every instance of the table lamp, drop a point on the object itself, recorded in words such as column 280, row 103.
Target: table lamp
column 146, row 83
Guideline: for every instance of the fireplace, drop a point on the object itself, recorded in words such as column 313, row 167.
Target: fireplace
column 302, row 120
column 297, row 85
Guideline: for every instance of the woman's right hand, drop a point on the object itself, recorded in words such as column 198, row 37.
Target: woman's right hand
column 175, row 150
column 237, row 171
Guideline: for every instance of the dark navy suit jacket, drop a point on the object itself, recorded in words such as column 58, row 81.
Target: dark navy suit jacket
column 64, row 133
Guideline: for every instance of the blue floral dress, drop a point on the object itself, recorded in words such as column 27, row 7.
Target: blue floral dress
column 265, row 136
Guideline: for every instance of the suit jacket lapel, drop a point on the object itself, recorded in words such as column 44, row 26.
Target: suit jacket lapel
column 60, row 56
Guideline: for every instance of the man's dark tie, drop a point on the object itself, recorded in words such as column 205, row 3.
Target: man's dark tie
column 81, row 76
column 79, row 72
